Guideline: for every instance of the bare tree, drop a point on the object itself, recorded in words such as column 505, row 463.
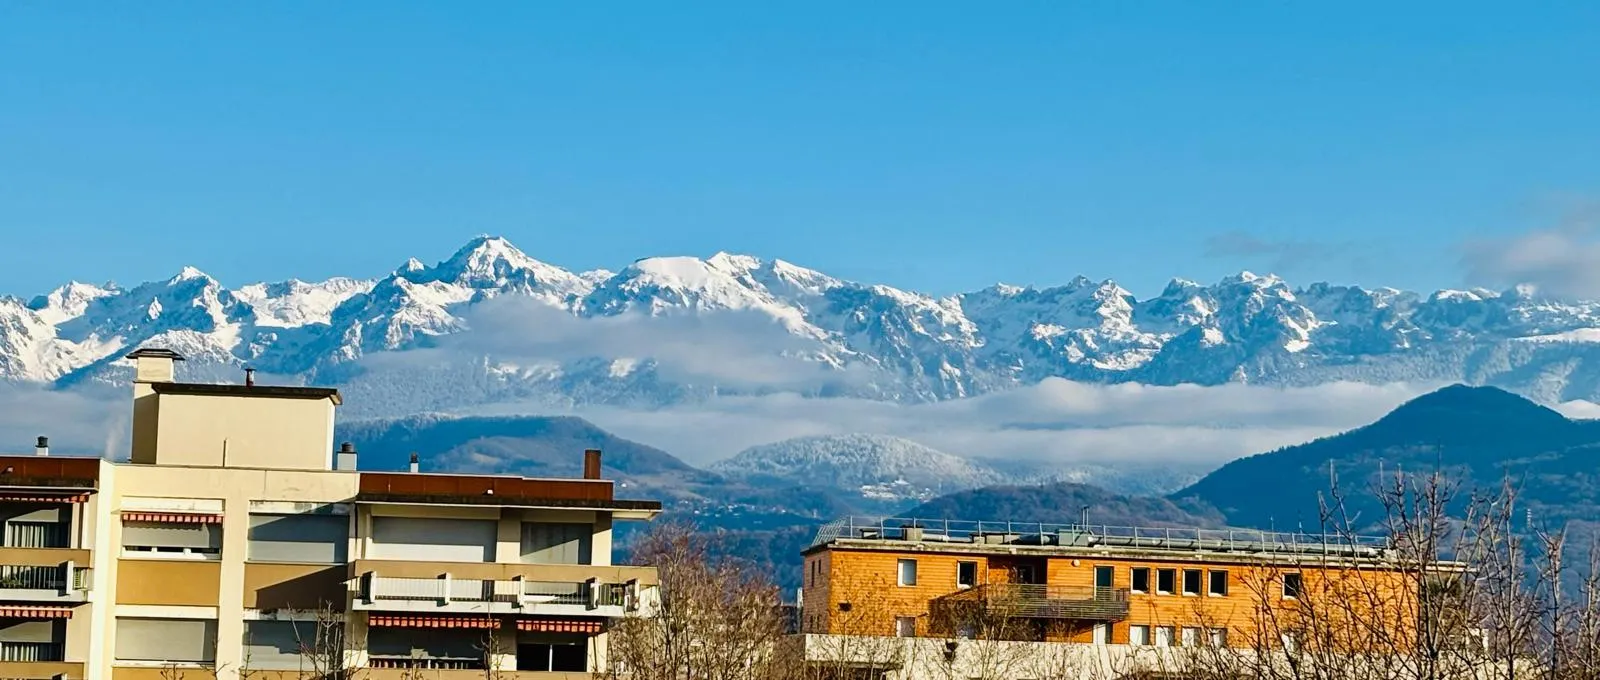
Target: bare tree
column 715, row 620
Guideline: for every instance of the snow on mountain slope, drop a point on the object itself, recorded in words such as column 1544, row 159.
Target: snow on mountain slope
column 876, row 341
column 875, row 466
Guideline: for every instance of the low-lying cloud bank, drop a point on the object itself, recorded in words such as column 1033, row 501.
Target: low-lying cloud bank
column 1056, row 420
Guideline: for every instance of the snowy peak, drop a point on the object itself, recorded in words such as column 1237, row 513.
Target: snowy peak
column 875, row 466
column 68, row 302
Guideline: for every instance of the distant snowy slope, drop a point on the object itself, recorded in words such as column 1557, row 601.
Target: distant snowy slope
column 871, row 465
column 838, row 337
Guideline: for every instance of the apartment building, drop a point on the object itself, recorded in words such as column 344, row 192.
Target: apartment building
column 236, row 539
column 1101, row 592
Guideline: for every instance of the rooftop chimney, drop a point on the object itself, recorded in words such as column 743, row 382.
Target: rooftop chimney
column 42, row 447
column 152, row 364
column 250, row 380
column 345, row 459
column 591, row 464
column 414, row 461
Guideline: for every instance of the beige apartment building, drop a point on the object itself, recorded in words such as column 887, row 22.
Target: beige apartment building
column 237, row 541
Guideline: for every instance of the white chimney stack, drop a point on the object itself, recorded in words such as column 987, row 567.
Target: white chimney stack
column 42, row 448
column 414, row 462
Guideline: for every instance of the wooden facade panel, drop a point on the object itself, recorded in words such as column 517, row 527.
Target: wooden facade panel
column 192, row 583
column 869, row 577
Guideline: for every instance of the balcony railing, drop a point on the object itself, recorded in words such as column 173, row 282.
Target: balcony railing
column 30, row 651
column 1036, row 601
column 447, row 594
column 426, row 663
column 37, row 583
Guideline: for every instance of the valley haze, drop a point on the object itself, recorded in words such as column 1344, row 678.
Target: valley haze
column 708, row 357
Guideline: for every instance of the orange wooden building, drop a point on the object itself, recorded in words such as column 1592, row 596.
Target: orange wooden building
column 1110, row 585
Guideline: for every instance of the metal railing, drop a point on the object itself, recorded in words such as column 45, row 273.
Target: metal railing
column 30, row 651
column 426, row 663
column 515, row 592
column 1038, row 601
column 1087, row 535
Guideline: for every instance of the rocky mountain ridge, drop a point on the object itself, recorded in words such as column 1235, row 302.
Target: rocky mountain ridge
column 426, row 337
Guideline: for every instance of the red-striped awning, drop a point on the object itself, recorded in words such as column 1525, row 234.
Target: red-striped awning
column 44, row 498
column 171, row 517
column 588, row 626
column 35, row 613
column 394, row 621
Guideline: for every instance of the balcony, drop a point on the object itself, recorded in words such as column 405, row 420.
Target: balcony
column 1037, row 601
column 527, row 589
column 44, row 575
column 41, row 670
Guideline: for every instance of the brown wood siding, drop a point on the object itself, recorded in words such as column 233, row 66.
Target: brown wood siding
column 502, row 489
column 43, row 557
column 55, row 471
column 294, row 586
column 41, row 670
column 867, row 578
column 191, row 583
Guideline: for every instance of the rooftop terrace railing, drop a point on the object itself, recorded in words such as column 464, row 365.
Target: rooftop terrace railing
column 1094, row 535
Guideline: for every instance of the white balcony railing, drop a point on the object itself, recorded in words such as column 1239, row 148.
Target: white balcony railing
column 447, row 594
column 64, row 582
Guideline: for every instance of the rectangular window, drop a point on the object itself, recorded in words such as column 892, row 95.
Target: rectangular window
column 1164, row 635
column 1219, row 637
column 433, row 540
column 311, row 539
column 905, row 626
column 1293, row 587
column 425, row 647
column 32, row 640
column 172, row 539
column 551, row 652
column 1139, row 636
column 907, row 572
column 290, row 645
column 1141, row 580
column 1191, row 581
column 167, row 640
column 966, row 574
column 1191, row 637
column 1166, row 581
column 31, row 525
column 1219, row 583
column 546, row 543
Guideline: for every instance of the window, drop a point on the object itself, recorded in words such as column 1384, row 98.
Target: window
column 426, row 647
column 1164, row 636
column 190, row 641
column 32, row 639
column 318, row 539
column 196, row 540
column 1138, row 636
column 283, row 645
column 1219, row 583
column 1292, row 586
column 1191, row 637
column 545, row 543
column 552, row 653
column 966, row 574
column 1141, row 580
column 1191, row 581
column 1166, row 581
column 907, row 572
column 433, row 539
column 29, row 525
column 905, row 626
column 1219, row 637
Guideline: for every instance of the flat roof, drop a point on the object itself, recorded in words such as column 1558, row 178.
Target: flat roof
column 265, row 391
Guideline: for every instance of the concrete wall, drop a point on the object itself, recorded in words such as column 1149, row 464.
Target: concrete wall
column 255, row 432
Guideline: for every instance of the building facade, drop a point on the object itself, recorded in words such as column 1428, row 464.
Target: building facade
column 236, row 540
column 1103, row 593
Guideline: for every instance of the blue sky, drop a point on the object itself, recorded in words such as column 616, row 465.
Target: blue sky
column 935, row 146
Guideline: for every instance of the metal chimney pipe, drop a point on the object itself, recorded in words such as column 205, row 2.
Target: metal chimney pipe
column 42, row 447
column 414, row 464
column 249, row 377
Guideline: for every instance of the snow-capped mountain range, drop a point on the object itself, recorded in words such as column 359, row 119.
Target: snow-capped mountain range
column 402, row 343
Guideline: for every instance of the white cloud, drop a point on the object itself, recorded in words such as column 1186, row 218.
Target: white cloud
column 1561, row 261
column 732, row 348
column 76, row 422
column 1057, row 420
